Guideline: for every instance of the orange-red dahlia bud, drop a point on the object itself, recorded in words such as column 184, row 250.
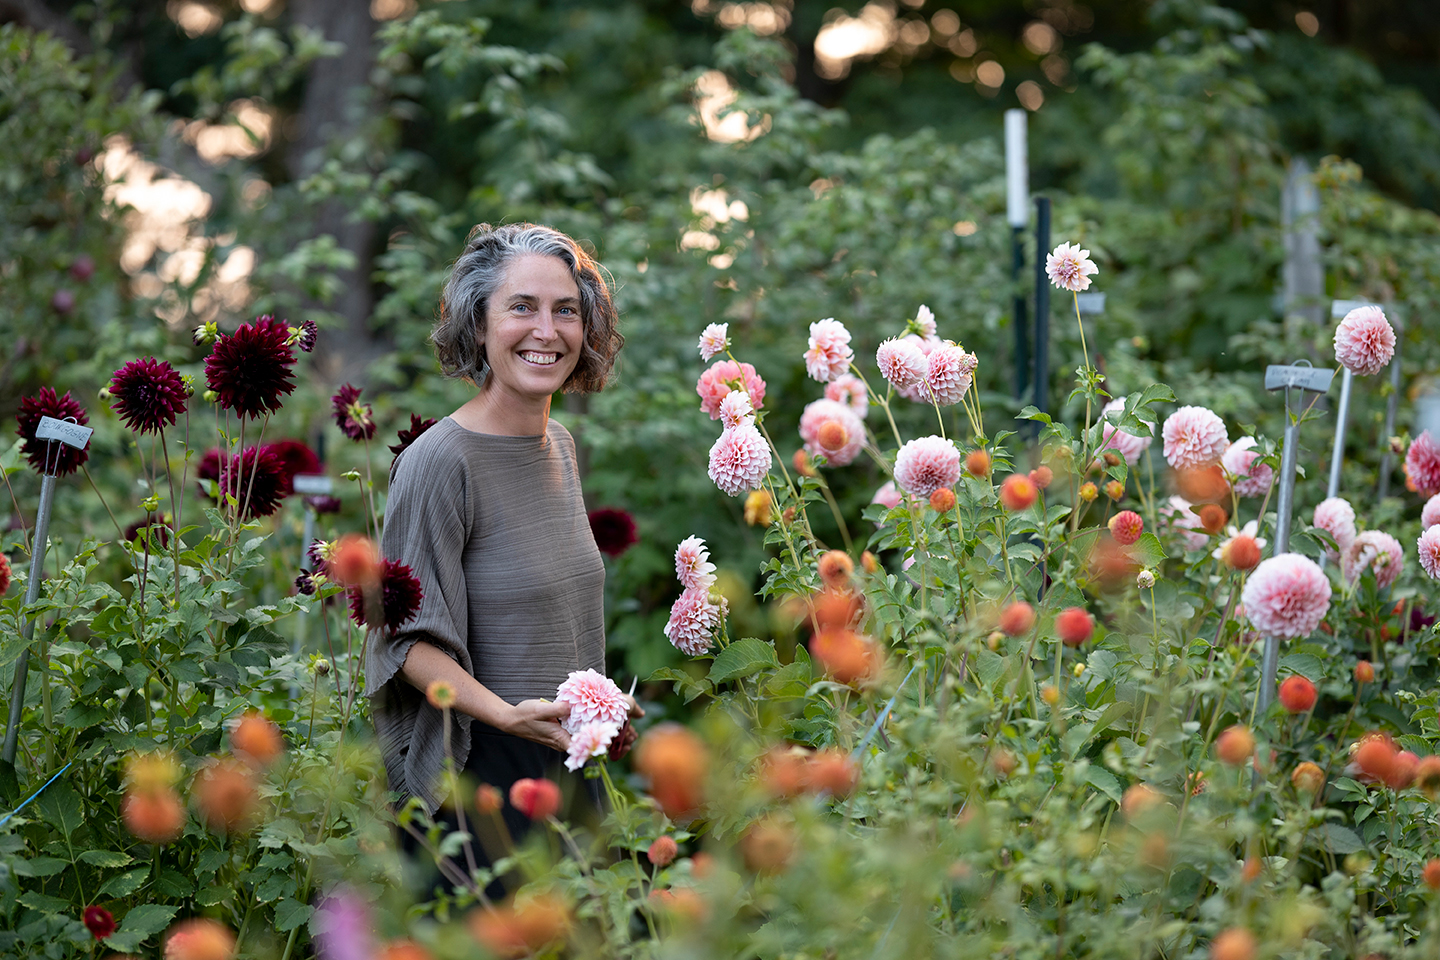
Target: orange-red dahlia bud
column 832, row 771
column 803, row 464
column 1431, row 874
column 942, row 500
column 355, row 561
column 1427, row 776
column 1042, row 476
column 663, row 851
column 1375, row 756
column 155, row 816
column 845, row 656
column 1402, row 770
column 977, row 464
column 1243, row 552
column 1237, row 943
column 227, row 795
column 1139, row 798
column 1235, row 745
column 1213, row 517
column 1018, row 492
column 768, row 846
column 1114, row 489
column 783, row 771
column 1017, row 618
column 1088, row 491
column 536, row 798
column 257, row 738
column 1050, row 694
column 869, row 563
column 1307, row 777
column 1297, row 694
column 1074, row 625
column 199, row 939
column 1203, row 484
column 1112, row 460
column 832, row 435
column 1364, row 671
column 835, row 567
column 488, row 800
column 1126, row 527
column 676, row 762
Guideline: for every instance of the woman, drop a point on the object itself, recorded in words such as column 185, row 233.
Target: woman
column 485, row 507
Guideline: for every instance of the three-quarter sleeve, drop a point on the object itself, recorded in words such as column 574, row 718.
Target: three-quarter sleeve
column 427, row 524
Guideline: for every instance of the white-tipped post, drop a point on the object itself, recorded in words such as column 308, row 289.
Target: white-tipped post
column 1017, row 170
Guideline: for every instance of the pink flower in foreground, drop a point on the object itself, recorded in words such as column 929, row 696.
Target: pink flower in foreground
column 722, row 377
column 1422, row 464
column 736, row 411
column 692, row 564
column 948, row 371
column 926, row 464
column 888, row 495
column 925, row 321
column 829, row 355
column 591, row 739
column 1336, row 517
column 739, row 460
column 1070, row 267
column 1430, row 513
column 1428, row 547
column 714, row 339
column 1127, row 444
column 1178, row 515
column 1364, row 341
column 901, row 362
column 849, row 390
column 1194, row 437
column 693, row 619
column 1251, row 479
column 1287, row 596
column 1378, row 551
column 832, row 430
column 592, row 697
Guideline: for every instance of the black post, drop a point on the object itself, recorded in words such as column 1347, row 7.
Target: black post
column 1042, row 305
column 1022, row 333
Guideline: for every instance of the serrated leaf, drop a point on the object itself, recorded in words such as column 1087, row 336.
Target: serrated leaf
column 106, row 858
column 1341, row 840
column 45, row 904
column 124, row 884
column 1306, row 665
column 40, row 866
column 147, row 919
column 1104, row 781
column 743, row 658
column 291, row 913
column 1148, row 551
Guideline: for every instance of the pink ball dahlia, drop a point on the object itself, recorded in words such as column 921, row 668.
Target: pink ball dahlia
column 1070, row 267
column 851, row 391
column 1430, row 513
column 1178, row 515
column 736, row 410
column 1127, row 444
column 1377, row 551
column 1428, row 547
column 1251, row 479
column 1287, row 596
column 589, row 740
column 739, row 460
column 887, row 496
column 926, row 464
column 148, row 395
column 713, row 340
column 1422, row 464
column 592, row 697
column 948, row 372
column 925, row 321
column 901, row 362
column 693, row 619
column 1364, row 341
column 850, row 436
column 1336, row 517
column 829, row 355
column 693, row 566
column 1194, row 437
column 723, row 376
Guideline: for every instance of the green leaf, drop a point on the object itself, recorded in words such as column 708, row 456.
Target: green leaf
column 124, row 884
column 60, row 807
column 1104, row 781
column 106, row 858
column 147, row 919
column 39, row 901
column 1305, row 664
column 1148, row 551
column 1341, row 840
column 990, row 667
column 790, row 681
column 40, row 866
column 290, row 913
column 743, row 658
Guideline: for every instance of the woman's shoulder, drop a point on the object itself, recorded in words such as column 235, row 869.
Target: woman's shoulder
column 435, row 450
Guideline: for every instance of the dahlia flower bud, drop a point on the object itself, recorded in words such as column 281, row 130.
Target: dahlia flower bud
column 1145, row 579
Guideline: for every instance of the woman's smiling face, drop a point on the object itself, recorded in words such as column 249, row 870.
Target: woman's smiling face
column 533, row 330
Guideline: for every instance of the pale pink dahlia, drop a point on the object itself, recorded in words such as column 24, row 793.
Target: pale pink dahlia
column 1430, row 513
column 1127, row 444
column 1070, row 267
column 829, row 354
column 1178, row 515
column 948, row 371
column 851, row 391
column 1336, row 517
column 1194, row 437
column 714, row 339
column 925, row 321
column 592, row 697
column 722, row 377
column 693, row 566
column 1377, row 551
column 926, row 464
column 1428, row 546
column 888, row 495
column 1364, row 341
column 736, row 410
column 739, row 460
column 1251, row 479
column 839, row 446
column 901, row 362
column 693, row 619
column 1422, row 464
column 592, row 739
column 1287, row 596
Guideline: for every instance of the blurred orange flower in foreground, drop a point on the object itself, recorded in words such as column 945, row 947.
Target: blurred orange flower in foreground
column 522, row 926
column 676, row 762
column 199, row 939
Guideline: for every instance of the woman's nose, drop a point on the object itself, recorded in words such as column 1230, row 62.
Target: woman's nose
column 545, row 323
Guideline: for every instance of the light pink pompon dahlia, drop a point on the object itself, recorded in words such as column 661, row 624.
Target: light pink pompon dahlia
column 1178, row 514
column 901, row 362
column 1127, row 444
column 831, row 430
column 1430, row 513
column 1377, row 551
column 1251, row 479
column 1364, row 341
column 723, row 376
column 887, row 496
column 1194, row 437
column 591, row 740
column 736, row 410
column 1422, row 465
column 592, row 696
column 926, row 464
column 692, row 565
column 1336, row 517
column 851, row 391
column 1070, row 267
column 693, row 619
column 925, row 321
column 948, row 372
column 740, row 460
column 1287, row 596
column 1428, row 546
column 714, row 340
column 829, row 354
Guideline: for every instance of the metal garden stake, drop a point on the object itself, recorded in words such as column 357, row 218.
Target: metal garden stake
column 1042, row 305
column 1017, row 212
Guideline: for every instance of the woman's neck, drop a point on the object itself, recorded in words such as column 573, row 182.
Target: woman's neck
column 506, row 416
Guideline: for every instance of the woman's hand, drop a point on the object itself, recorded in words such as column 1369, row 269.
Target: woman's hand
column 627, row 736
column 539, row 720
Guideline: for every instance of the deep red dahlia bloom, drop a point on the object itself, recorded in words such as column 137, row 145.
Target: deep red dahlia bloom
column 99, row 922
column 149, row 395
column 296, row 458
column 400, row 596
column 4, row 574
column 306, row 339
column 261, row 497
column 355, row 419
column 64, row 457
column 323, row 503
column 407, row 437
column 614, row 530
column 250, row 369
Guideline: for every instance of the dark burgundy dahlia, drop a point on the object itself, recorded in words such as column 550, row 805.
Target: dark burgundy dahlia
column 323, row 503
column 63, row 457
column 305, row 336
column 261, row 496
column 99, row 921
column 614, row 530
column 297, row 458
column 250, row 369
column 149, row 395
column 407, row 437
column 399, row 600
column 355, row 419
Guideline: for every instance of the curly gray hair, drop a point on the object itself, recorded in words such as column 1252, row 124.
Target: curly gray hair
column 477, row 273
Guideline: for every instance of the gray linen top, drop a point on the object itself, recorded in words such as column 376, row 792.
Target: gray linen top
column 495, row 529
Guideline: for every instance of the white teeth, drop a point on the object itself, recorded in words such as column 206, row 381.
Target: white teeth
column 540, row 358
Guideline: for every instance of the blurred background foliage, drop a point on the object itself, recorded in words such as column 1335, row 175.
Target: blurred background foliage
column 762, row 164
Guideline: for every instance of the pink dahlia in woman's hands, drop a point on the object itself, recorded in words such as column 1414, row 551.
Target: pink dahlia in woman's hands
column 1287, row 596
column 589, row 740
column 593, row 697
column 1194, row 437
column 1364, row 341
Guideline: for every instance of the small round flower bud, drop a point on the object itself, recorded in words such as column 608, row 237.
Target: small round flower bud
column 868, row 562
column 1114, row 489
column 1145, row 579
column 942, row 500
column 1112, row 459
column 322, row 668
column 188, row 382
column 210, row 396
column 1088, row 491
column 1050, row 694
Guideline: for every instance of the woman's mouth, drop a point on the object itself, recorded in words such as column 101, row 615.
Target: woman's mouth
column 539, row 359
